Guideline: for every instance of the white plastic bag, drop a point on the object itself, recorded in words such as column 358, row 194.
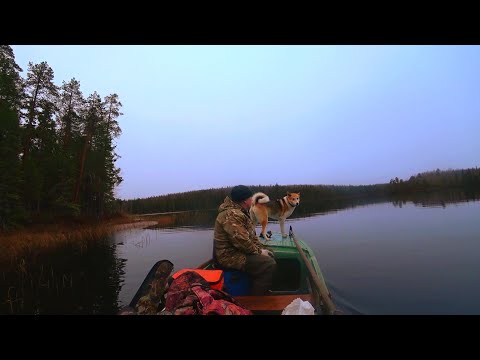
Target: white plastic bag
column 299, row 307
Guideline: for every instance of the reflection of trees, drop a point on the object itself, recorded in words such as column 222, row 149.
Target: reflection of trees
column 206, row 218
column 197, row 219
column 439, row 198
column 399, row 203
column 312, row 208
column 88, row 279
column 71, row 280
column 309, row 207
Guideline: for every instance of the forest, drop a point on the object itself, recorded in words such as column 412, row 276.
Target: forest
column 57, row 151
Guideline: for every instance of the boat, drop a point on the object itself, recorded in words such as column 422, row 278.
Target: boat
column 298, row 275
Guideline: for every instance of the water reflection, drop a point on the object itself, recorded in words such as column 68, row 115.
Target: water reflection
column 183, row 246
column 437, row 199
column 72, row 280
column 379, row 256
column 185, row 219
column 205, row 219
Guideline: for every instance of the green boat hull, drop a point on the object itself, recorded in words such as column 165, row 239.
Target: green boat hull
column 284, row 249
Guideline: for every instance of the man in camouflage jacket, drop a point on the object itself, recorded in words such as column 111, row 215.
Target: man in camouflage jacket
column 236, row 245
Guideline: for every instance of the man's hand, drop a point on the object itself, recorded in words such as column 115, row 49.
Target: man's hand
column 266, row 252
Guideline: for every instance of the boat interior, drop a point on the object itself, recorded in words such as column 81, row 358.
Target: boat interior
column 287, row 286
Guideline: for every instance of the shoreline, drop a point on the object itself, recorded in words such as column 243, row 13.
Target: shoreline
column 133, row 225
column 37, row 239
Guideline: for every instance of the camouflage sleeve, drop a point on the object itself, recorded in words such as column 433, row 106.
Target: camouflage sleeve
column 239, row 235
column 257, row 242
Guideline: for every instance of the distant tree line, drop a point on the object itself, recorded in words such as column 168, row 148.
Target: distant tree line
column 57, row 156
column 312, row 196
column 468, row 179
column 212, row 198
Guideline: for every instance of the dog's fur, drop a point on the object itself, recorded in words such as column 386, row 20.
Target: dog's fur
column 263, row 208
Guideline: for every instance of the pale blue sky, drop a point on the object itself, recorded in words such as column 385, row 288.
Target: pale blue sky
column 198, row 117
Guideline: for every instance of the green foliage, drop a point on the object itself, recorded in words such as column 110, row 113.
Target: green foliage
column 12, row 213
column 57, row 157
column 11, row 84
column 468, row 179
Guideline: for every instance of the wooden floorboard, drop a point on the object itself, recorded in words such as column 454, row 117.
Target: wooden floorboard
column 270, row 302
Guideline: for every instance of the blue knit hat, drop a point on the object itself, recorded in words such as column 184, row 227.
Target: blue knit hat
column 240, row 193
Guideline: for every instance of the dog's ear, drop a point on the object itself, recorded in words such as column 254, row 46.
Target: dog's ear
column 288, row 193
column 298, row 193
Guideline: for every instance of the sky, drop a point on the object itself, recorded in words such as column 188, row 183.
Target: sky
column 201, row 117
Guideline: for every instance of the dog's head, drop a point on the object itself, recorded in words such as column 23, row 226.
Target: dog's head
column 293, row 199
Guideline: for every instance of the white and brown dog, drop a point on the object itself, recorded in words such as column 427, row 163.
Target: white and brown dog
column 263, row 208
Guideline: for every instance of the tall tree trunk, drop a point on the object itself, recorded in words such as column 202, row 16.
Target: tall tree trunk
column 68, row 125
column 82, row 166
column 31, row 116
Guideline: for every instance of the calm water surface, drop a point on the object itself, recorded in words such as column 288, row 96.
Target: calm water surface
column 384, row 258
column 409, row 256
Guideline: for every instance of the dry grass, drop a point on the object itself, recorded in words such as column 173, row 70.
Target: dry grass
column 25, row 271
column 43, row 238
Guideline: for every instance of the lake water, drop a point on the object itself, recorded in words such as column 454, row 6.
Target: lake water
column 407, row 256
column 384, row 258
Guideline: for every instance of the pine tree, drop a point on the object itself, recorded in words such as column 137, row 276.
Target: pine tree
column 11, row 94
column 71, row 106
column 100, row 172
column 40, row 105
column 91, row 118
column 41, row 92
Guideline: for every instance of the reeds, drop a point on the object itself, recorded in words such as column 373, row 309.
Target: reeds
column 26, row 271
column 31, row 242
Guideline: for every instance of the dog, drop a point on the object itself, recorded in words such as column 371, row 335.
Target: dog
column 263, row 208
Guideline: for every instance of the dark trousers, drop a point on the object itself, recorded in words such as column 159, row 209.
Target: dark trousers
column 261, row 269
